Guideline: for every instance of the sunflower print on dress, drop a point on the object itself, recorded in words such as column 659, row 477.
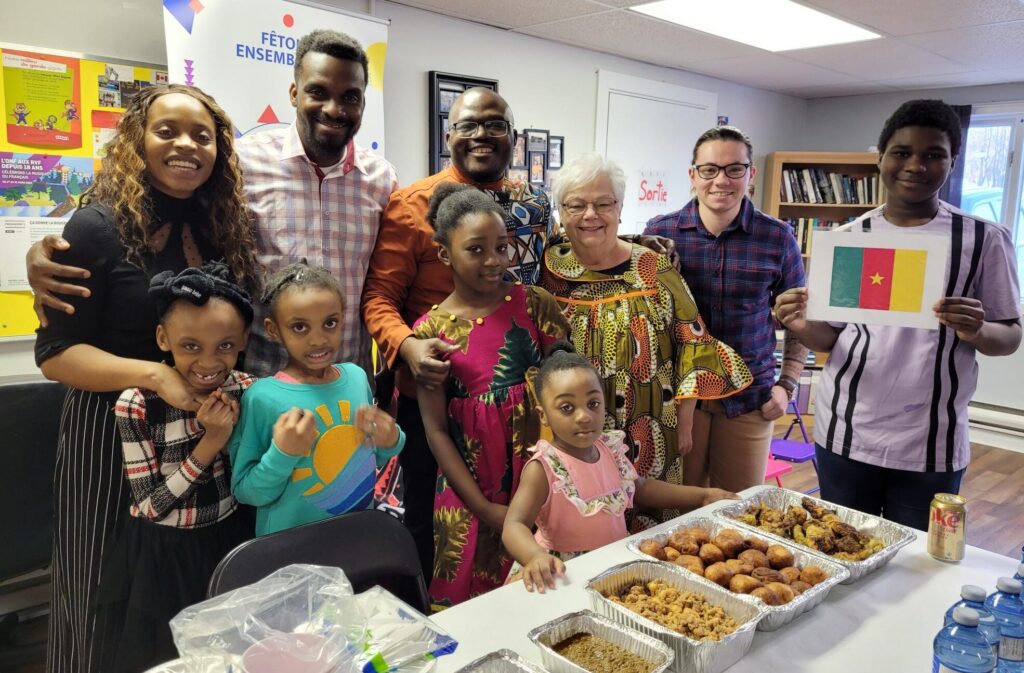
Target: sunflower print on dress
column 642, row 331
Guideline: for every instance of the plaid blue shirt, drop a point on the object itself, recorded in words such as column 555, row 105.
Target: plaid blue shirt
column 735, row 278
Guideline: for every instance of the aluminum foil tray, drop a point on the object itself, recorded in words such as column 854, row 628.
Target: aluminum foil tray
column 776, row 616
column 546, row 636
column 894, row 535
column 692, row 656
column 502, row 661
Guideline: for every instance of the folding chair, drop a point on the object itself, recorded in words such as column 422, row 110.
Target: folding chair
column 794, row 451
column 775, row 469
column 370, row 546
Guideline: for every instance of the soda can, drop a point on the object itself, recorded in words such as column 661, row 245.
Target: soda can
column 947, row 527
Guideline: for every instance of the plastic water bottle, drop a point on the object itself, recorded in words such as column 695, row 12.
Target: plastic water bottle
column 1006, row 606
column 960, row 647
column 1019, row 576
column 973, row 597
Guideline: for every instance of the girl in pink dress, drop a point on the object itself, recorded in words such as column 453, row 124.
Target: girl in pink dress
column 479, row 424
column 577, row 487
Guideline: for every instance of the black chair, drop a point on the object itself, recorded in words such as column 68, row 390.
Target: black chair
column 29, row 424
column 370, row 546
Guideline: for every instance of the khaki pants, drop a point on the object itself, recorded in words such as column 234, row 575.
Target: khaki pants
column 729, row 453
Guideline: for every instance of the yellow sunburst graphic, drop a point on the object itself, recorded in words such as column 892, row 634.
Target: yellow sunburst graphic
column 333, row 448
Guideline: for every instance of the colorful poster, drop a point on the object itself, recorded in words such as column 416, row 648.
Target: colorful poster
column 118, row 84
column 214, row 46
column 104, row 127
column 42, row 185
column 877, row 278
column 42, row 100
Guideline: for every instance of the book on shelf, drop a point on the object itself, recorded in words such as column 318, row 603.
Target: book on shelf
column 804, row 227
column 816, row 185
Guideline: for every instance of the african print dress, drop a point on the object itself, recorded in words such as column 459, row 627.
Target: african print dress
column 492, row 425
column 642, row 331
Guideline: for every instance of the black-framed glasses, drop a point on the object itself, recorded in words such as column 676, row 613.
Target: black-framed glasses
column 601, row 207
column 711, row 171
column 494, row 128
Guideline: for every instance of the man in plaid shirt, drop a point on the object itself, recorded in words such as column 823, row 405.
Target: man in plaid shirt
column 736, row 260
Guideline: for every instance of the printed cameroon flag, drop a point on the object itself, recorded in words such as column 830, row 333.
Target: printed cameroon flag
column 879, row 278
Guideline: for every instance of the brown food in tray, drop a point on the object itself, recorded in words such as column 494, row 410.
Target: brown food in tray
column 815, row 526
column 682, row 611
column 754, row 564
column 600, row 656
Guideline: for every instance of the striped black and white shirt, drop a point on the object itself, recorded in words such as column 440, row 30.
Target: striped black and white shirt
column 897, row 397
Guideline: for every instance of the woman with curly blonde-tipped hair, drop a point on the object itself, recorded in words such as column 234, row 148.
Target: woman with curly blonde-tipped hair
column 169, row 196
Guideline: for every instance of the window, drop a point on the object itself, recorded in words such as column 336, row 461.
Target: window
column 992, row 187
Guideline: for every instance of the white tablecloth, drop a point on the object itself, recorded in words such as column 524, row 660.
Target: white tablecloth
column 884, row 622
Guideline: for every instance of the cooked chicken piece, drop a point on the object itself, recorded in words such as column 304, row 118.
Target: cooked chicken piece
column 819, row 537
column 842, row 529
column 817, row 511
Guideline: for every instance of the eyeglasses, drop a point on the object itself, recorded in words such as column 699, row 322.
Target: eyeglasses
column 577, row 208
column 711, row 171
column 494, row 128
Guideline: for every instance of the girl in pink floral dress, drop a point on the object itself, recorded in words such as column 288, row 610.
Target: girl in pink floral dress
column 479, row 425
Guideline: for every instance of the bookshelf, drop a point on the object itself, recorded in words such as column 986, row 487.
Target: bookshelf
column 820, row 189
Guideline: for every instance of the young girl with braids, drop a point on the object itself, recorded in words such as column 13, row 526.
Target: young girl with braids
column 479, row 425
column 310, row 441
column 182, row 514
column 169, row 196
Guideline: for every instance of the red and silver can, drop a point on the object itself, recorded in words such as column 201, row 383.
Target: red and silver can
column 947, row 527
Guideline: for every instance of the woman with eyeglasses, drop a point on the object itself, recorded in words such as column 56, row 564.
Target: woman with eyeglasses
column 633, row 317
column 736, row 260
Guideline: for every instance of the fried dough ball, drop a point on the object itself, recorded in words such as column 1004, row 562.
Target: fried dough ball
column 743, row 584
column 779, row 557
column 730, row 541
column 671, row 553
column 783, row 591
column 698, row 534
column 710, row 553
column 739, row 567
column 719, row 573
column 790, row 574
column 652, row 548
column 799, row 586
column 683, row 542
column 766, row 595
column 768, row 575
column 813, row 575
column 758, row 544
column 754, row 558
column 691, row 563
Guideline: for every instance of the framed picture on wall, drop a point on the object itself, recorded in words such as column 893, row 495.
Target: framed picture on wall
column 518, row 175
column 443, row 89
column 556, row 152
column 519, row 152
column 537, row 167
column 536, row 140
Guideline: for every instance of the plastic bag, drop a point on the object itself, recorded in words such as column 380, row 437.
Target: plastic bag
column 306, row 619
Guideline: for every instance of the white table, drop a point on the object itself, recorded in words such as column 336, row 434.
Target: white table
column 884, row 622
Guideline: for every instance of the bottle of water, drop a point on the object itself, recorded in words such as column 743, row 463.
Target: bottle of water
column 1006, row 606
column 960, row 647
column 973, row 597
column 1020, row 573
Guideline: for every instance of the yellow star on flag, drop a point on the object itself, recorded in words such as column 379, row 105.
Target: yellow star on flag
column 877, row 278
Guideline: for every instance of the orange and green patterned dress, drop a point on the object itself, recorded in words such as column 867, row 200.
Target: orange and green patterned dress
column 639, row 326
column 492, row 424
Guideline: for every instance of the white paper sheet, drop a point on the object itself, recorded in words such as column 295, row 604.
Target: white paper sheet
column 819, row 282
column 17, row 234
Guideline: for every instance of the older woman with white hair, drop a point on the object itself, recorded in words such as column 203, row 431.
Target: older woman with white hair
column 632, row 315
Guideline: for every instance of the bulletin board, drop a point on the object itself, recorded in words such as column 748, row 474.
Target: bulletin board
column 59, row 112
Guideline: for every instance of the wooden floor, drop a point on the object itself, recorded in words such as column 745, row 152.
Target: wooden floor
column 993, row 486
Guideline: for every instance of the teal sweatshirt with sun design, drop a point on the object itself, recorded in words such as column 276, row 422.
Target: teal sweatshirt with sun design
column 335, row 477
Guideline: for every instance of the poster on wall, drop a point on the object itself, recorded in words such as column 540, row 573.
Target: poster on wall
column 656, row 160
column 42, row 99
column 215, row 46
column 42, row 185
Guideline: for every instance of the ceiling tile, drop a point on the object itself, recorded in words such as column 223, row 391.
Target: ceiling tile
column 905, row 17
column 771, row 71
column 877, row 59
column 640, row 37
column 981, row 47
column 509, row 14
column 973, row 78
column 830, row 90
